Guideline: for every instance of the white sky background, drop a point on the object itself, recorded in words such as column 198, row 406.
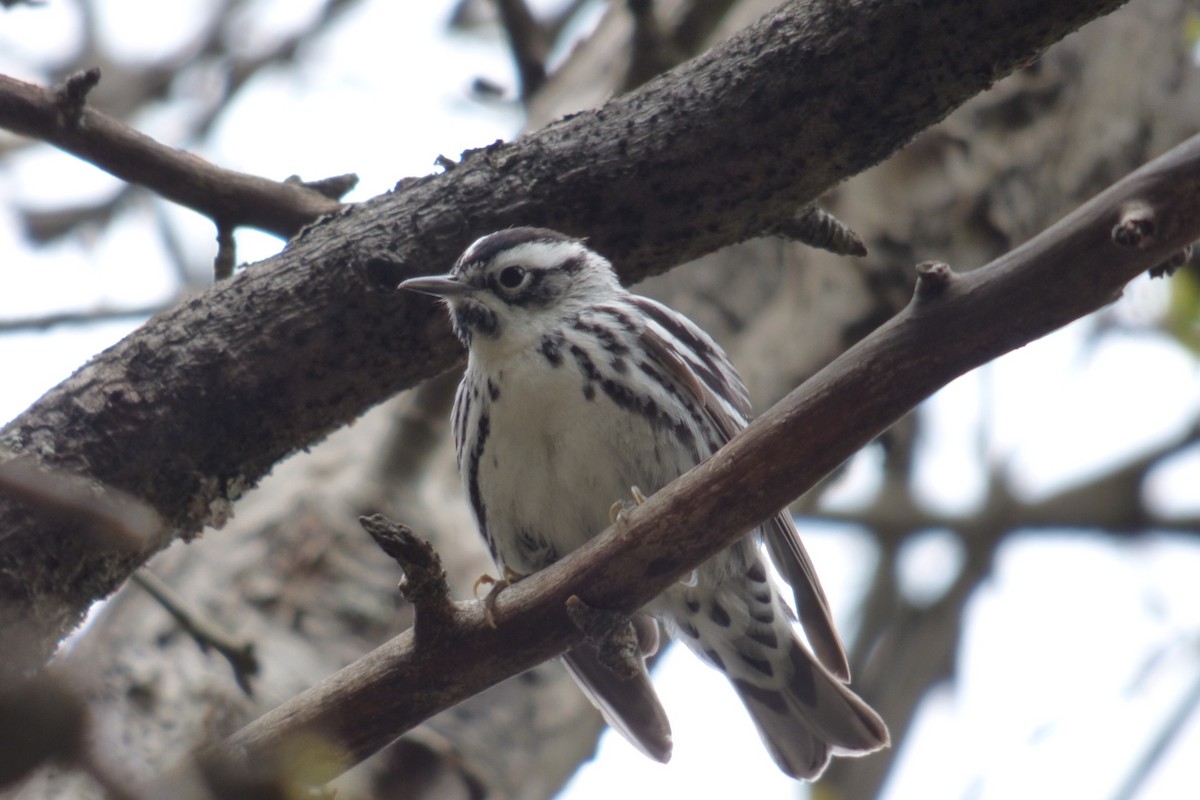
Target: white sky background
column 1077, row 650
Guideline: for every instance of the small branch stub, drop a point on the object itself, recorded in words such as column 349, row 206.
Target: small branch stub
column 1169, row 267
column 816, row 227
column 1136, row 226
column 71, row 95
column 424, row 584
column 226, row 257
column 933, row 278
column 334, row 187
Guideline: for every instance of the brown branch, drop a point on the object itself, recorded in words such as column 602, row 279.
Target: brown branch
column 62, row 118
column 424, row 584
column 528, row 41
column 226, row 257
column 199, row 404
column 1070, row 270
column 204, row 632
column 816, row 227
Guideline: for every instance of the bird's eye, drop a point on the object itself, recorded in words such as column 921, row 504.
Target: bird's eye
column 512, row 277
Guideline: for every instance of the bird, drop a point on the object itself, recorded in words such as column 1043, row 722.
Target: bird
column 578, row 392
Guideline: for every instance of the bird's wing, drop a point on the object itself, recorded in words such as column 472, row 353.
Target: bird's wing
column 699, row 367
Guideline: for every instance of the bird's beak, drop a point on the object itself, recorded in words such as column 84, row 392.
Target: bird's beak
column 436, row 285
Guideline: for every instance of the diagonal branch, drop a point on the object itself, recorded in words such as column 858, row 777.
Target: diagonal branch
column 224, row 195
column 953, row 324
column 199, row 403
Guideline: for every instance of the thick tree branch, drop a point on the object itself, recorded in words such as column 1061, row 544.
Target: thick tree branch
column 1070, row 270
column 199, row 403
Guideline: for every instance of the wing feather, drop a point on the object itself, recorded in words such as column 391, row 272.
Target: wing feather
column 699, row 367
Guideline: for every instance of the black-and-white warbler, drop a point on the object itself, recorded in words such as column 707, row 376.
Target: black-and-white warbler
column 577, row 390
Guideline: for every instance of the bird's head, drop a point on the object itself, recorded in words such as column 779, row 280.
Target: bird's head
column 514, row 286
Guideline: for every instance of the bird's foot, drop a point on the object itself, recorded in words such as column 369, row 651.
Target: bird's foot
column 498, row 585
column 612, row 634
column 618, row 510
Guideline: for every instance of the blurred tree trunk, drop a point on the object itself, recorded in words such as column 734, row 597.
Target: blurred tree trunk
column 293, row 573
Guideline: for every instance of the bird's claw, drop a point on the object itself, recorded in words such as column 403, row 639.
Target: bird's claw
column 618, row 510
column 613, row 634
column 498, row 585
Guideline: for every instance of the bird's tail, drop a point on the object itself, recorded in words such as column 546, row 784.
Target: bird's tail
column 804, row 714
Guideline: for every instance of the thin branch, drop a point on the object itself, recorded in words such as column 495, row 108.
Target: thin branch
column 1070, row 270
column 204, row 631
column 528, row 41
column 1170, row 732
column 83, row 317
column 1112, row 501
column 233, row 197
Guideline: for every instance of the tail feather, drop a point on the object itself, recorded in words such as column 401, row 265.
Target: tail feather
column 810, row 718
column 804, row 713
column 629, row 705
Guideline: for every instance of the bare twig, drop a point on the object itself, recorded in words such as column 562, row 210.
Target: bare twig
column 933, row 278
column 424, row 583
column 528, row 42
column 206, row 633
column 84, row 317
column 1175, row 724
column 334, row 187
column 234, row 197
